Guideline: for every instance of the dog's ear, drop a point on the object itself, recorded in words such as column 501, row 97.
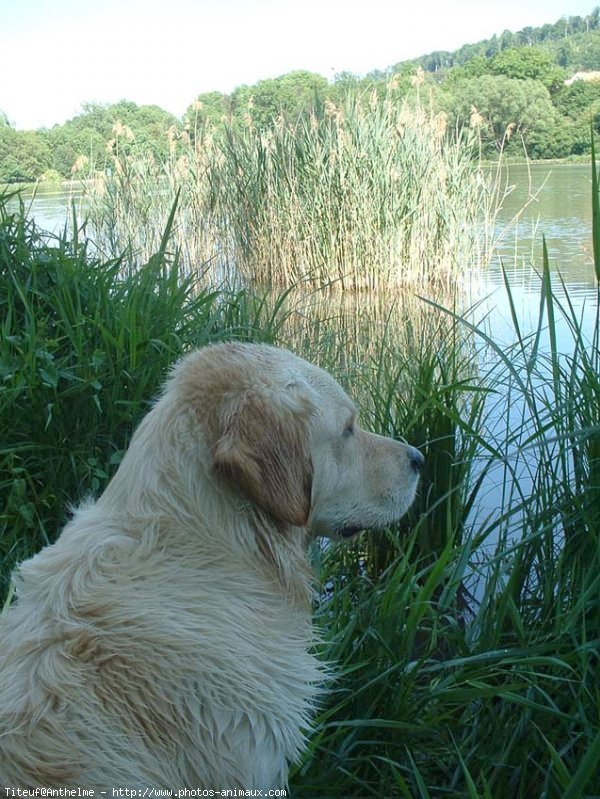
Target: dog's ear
column 263, row 448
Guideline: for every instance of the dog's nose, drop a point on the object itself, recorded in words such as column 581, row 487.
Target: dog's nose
column 416, row 460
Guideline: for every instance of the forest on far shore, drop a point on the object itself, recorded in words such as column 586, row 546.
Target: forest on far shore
column 533, row 92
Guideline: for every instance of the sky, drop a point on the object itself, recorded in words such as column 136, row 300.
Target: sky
column 58, row 54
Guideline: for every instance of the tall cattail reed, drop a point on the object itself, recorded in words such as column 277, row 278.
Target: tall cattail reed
column 374, row 194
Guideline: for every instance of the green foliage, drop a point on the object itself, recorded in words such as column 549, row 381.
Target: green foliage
column 474, row 68
column 578, row 52
column 149, row 126
column 73, row 143
column 82, row 141
column 51, row 176
column 566, row 37
column 579, row 105
column 423, row 385
column 504, row 108
column 84, row 347
column 528, row 62
column 290, row 96
column 24, row 155
column 211, row 108
column 581, row 98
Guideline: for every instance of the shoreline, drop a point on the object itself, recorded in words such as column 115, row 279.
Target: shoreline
column 67, row 184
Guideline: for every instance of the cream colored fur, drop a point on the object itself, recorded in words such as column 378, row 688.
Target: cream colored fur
column 163, row 640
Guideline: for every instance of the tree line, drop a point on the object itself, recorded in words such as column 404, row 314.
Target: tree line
column 514, row 88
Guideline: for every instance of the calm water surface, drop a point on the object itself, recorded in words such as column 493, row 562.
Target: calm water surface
column 551, row 202
column 540, row 199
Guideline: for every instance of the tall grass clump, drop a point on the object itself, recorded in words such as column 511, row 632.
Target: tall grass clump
column 413, row 371
column 126, row 204
column 84, row 347
column 369, row 196
column 474, row 673
column 372, row 194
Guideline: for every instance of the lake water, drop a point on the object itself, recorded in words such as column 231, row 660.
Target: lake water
column 550, row 200
column 553, row 200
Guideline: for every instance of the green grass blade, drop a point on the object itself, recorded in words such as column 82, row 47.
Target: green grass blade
column 595, row 211
column 589, row 767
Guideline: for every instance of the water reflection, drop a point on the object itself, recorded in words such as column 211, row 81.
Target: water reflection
column 50, row 205
column 551, row 200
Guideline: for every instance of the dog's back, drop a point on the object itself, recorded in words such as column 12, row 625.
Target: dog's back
column 123, row 665
column 164, row 640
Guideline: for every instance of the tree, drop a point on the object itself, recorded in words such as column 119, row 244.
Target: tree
column 89, row 133
column 528, row 62
column 211, row 108
column 587, row 51
column 527, row 36
column 345, row 83
column 492, row 46
column 507, row 39
column 479, row 65
column 581, row 98
column 72, row 140
column 290, row 96
column 503, row 108
column 563, row 53
column 441, row 59
column 579, row 105
column 24, row 155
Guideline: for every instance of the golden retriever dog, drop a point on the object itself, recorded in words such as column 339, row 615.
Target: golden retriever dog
column 164, row 640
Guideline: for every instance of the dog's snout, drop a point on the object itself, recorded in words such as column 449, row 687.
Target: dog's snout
column 416, row 459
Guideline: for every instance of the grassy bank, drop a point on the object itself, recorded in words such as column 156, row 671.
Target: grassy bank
column 445, row 694
column 85, row 346
column 440, row 692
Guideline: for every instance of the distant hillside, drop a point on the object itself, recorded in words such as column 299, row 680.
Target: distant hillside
column 574, row 43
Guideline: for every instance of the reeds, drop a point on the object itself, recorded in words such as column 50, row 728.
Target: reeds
column 371, row 195
column 366, row 197
column 474, row 672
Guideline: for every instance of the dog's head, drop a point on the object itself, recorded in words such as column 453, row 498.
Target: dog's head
column 284, row 434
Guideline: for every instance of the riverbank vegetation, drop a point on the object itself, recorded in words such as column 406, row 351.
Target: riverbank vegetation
column 353, row 197
column 519, row 90
column 466, row 640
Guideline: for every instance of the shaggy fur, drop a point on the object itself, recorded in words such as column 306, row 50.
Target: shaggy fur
column 163, row 640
